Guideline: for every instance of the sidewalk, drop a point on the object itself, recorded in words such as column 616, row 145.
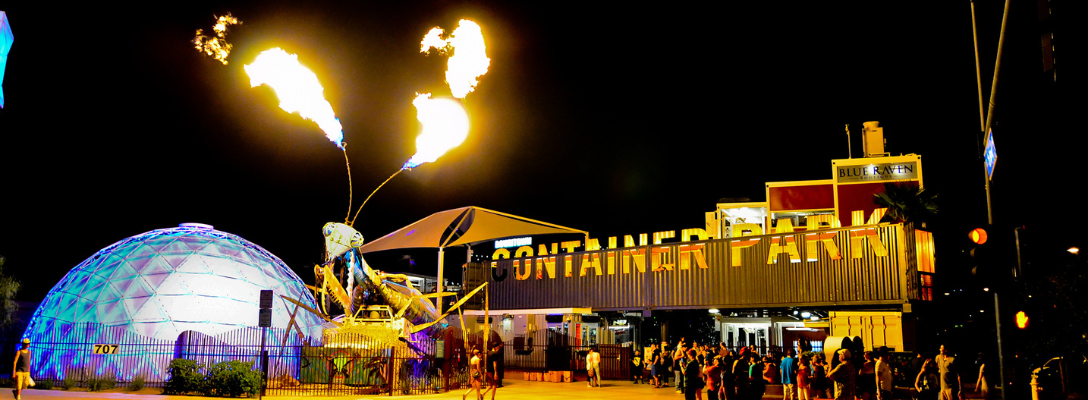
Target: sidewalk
column 513, row 390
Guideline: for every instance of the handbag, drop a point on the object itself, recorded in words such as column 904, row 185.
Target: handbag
column 30, row 381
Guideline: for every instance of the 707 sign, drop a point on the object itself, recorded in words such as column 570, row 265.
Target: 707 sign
column 105, row 349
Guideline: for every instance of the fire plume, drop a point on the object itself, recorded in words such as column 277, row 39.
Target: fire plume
column 469, row 60
column 297, row 88
column 216, row 46
column 445, row 125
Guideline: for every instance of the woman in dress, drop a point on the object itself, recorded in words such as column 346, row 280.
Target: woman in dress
column 477, row 374
column 804, row 382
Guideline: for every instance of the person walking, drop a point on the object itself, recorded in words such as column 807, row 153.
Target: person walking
column 883, row 376
column 477, row 374
column 951, row 387
column 982, row 385
column 789, row 376
column 492, row 370
column 653, row 359
column 845, row 377
column 927, row 383
column 593, row 366
column 21, row 369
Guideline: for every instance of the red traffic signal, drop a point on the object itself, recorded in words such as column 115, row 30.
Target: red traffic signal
column 978, row 236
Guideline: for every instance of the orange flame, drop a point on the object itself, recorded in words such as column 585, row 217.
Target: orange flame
column 445, row 125
column 297, row 88
column 217, row 46
column 469, row 60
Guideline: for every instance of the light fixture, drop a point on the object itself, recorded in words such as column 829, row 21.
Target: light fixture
column 1073, row 250
column 814, row 318
column 714, row 311
column 985, row 289
column 947, row 294
column 795, row 312
column 806, row 314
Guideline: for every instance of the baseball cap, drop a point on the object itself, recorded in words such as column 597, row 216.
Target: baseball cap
column 26, row 340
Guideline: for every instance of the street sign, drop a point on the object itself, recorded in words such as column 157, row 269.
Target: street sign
column 264, row 318
column 266, row 299
column 990, row 155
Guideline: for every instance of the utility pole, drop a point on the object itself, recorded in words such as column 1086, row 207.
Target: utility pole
column 987, row 126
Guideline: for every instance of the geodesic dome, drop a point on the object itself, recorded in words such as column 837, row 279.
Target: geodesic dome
column 164, row 282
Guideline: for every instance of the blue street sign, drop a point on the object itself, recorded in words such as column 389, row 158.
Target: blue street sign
column 990, row 155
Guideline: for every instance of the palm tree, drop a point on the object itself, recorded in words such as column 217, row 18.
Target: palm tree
column 907, row 202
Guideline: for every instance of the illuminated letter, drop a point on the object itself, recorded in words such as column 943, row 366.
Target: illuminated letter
column 685, row 235
column 695, row 250
column 543, row 251
column 656, row 264
column 612, row 242
column 611, row 256
column 499, row 254
column 545, row 263
column 857, row 236
column 817, row 222
column 628, row 241
column 570, row 246
column 587, row 264
column 663, row 235
column 567, row 267
column 785, row 225
column 523, row 251
column 735, row 247
column 593, row 245
column 638, row 257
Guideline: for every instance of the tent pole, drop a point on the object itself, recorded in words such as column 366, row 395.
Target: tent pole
column 438, row 285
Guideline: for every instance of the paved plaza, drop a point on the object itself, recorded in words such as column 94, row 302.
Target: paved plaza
column 513, row 390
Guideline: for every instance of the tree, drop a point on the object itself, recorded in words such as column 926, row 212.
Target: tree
column 907, row 202
column 9, row 287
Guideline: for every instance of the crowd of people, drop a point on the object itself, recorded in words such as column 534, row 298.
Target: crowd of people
column 719, row 373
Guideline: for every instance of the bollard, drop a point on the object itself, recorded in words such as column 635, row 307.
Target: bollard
column 1034, row 387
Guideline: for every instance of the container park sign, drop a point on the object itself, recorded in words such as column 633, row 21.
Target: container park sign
column 862, row 264
column 819, row 238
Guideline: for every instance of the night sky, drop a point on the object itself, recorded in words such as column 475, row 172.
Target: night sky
column 616, row 119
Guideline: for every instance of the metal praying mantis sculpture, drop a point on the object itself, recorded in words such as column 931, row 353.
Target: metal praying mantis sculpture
column 382, row 306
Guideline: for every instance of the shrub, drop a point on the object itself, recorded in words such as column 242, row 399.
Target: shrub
column 7, row 382
column 185, row 377
column 136, row 384
column 232, row 378
column 102, row 382
column 68, row 383
column 45, row 384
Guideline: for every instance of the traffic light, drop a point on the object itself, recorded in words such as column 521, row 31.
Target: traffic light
column 993, row 255
column 1021, row 320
